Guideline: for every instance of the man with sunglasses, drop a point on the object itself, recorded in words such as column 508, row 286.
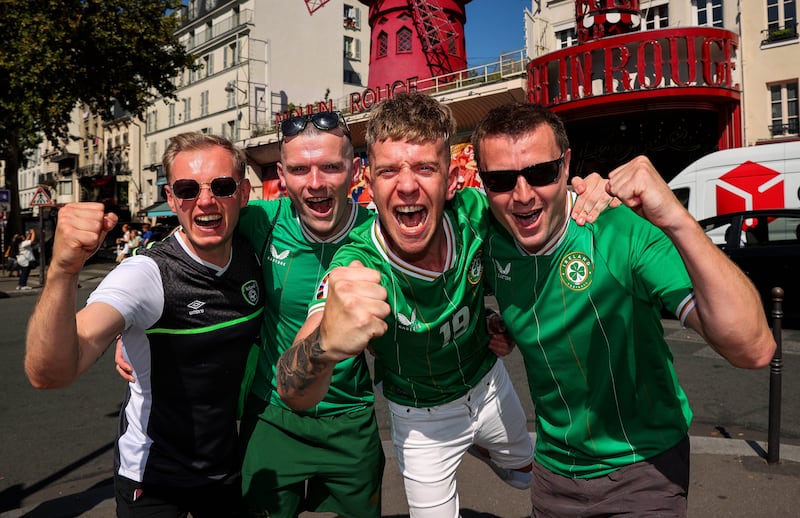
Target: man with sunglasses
column 583, row 304
column 445, row 388
column 188, row 309
column 328, row 458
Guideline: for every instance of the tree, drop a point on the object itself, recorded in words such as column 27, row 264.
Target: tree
column 57, row 53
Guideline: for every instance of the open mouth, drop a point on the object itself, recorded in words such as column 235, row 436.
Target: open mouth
column 411, row 217
column 528, row 218
column 208, row 220
column 320, row 205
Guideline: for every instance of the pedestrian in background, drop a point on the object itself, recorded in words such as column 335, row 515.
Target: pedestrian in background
column 25, row 258
column 10, row 256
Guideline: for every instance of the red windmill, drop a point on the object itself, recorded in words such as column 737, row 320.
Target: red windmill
column 422, row 38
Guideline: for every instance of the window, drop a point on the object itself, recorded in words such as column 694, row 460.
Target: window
column 230, row 94
column 566, row 38
column 352, row 17
column 404, row 40
column 232, row 55
column 154, row 153
column 208, row 65
column 708, row 12
column 383, row 44
column 171, row 115
column 228, row 130
column 351, row 77
column 784, row 108
column 452, row 46
column 655, row 17
column 192, row 9
column 65, row 188
column 204, row 103
column 781, row 14
column 781, row 20
column 187, row 109
column 352, row 48
column 152, row 121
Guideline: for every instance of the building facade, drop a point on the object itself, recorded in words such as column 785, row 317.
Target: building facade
column 256, row 60
column 674, row 79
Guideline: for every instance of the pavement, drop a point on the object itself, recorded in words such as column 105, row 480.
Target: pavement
column 729, row 477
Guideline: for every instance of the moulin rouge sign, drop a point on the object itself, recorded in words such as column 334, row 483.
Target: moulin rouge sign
column 359, row 101
column 641, row 61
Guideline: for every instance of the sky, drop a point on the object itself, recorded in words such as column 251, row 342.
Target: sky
column 494, row 27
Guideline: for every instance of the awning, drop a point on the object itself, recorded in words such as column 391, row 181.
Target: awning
column 156, row 210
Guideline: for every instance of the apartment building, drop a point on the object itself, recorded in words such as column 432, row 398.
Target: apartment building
column 257, row 59
column 770, row 62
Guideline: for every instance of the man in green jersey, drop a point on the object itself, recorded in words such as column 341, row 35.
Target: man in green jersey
column 335, row 446
column 445, row 388
column 583, row 304
column 328, row 458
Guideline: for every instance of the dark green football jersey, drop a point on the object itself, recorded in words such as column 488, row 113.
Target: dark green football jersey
column 435, row 349
column 585, row 313
column 294, row 261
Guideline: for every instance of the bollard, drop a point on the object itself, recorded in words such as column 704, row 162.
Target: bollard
column 775, row 374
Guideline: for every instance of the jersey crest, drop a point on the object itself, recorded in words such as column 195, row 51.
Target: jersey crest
column 251, row 293
column 576, row 270
column 475, row 272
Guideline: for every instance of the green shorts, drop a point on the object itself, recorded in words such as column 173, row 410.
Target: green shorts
column 340, row 456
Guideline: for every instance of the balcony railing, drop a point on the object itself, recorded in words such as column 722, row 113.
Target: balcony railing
column 220, row 29
column 510, row 66
column 776, row 34
column 790, row 128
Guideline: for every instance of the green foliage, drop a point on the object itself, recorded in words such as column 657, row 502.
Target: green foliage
column 56, row 53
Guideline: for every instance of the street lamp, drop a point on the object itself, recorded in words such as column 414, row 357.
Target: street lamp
column 232, row 86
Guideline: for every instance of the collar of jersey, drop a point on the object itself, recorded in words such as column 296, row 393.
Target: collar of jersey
column 313, row 238
column 409, row 269
column 178, row 235
column 558, row 236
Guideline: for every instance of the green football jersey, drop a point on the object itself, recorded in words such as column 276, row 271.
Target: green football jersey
column 436, row 347
column 293, row 262
column 585, row 313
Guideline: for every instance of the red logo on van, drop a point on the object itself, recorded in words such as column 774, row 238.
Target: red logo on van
column 749, row 186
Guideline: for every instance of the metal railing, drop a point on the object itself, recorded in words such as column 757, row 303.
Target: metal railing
column 509, row 66
column 779, row 128
column 776, row 34
column 222, row 28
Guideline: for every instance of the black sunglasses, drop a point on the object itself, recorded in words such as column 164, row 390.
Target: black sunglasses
column 221, row 187
column 324, row 121
column 536, row 175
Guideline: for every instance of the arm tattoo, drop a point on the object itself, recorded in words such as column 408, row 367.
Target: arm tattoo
column 299, row 367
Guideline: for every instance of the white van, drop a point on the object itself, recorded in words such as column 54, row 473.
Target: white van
column 748, row 178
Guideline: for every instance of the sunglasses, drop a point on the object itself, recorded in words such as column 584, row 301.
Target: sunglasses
column 221, row 187
column 324, row 121
column 537, row 175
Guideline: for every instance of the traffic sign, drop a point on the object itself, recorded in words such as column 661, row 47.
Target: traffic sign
column 42, row 197
column 5, row 200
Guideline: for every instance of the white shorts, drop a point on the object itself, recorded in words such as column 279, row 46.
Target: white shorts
column 430, row 442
